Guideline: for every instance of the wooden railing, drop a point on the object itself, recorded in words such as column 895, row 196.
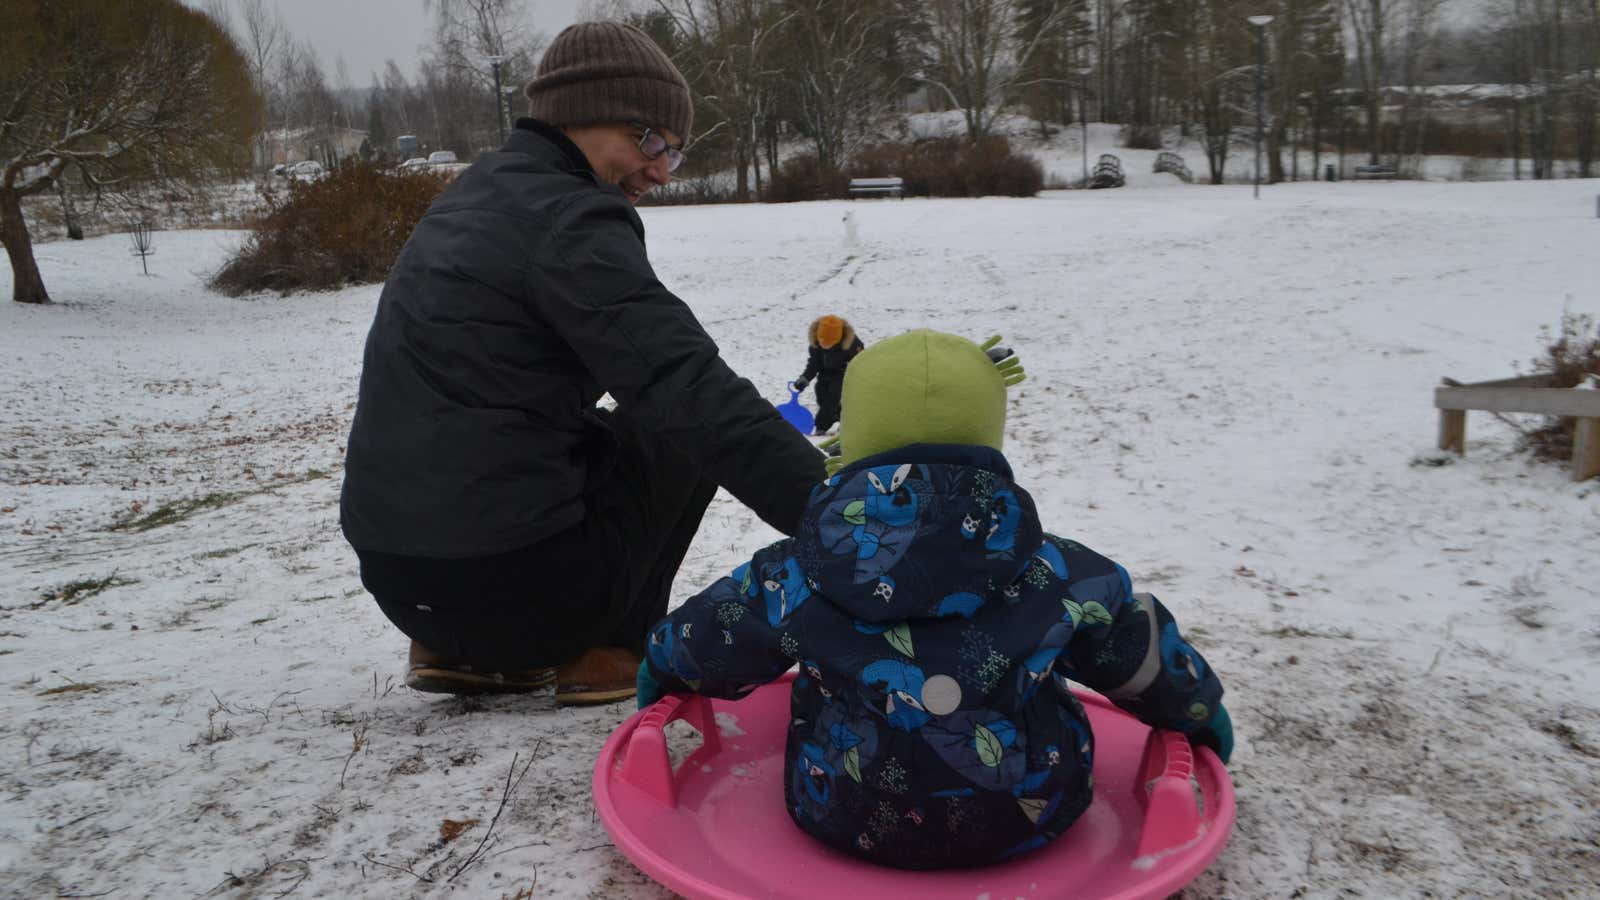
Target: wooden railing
column 1526, row 394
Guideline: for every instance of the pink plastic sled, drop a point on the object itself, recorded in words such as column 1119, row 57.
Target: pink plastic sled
column 717, row 828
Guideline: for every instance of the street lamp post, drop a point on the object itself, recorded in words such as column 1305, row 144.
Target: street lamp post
column 499, row 112
column 1261, row 23
column 1083, row 117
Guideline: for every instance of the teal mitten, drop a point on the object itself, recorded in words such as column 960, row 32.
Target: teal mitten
column 1217, row 734
column 649, row 690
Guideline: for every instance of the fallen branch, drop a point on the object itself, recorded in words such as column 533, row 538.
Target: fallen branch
column 358, row 739
column 422, row 878
column 505, row 798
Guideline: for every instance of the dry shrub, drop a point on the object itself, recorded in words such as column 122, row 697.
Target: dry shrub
column 344, row 228
column 803, row 178
column 953, row 167
column 1141, row 137
column 692, row 192
column 1571, row 358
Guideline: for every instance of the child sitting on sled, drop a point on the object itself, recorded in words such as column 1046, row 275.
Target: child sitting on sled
column 833, row 344
column 934, row 622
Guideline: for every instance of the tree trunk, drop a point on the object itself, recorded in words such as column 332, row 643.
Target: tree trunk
column 1275, row 154
column 1516, row 141
column 27, row 285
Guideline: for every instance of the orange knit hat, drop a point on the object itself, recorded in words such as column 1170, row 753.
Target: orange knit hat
column 830, row 329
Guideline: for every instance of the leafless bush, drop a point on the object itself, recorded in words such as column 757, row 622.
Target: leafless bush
column 345, row 228
column 1571, row 357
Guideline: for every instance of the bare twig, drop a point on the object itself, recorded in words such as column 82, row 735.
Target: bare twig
column 1448, row 625
column 422, row 878
column 358, row 739
column 505, row 797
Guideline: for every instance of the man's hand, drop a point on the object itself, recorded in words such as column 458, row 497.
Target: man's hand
column 649, row 691
column 1216, row 734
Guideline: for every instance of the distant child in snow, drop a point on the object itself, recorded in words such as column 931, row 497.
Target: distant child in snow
column 833, row 344
column 934, row 622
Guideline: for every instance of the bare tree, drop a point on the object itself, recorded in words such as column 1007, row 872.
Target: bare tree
column 480, row 47
column 116, row 93
column 977, row 61
column 834, row 74
column 724, row 49
column 262, row 36
column 1419, row 32
column 1369, row 26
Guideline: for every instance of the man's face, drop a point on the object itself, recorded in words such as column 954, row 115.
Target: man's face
column 613, row 151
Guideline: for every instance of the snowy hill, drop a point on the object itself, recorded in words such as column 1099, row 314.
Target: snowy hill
column 1227, row 396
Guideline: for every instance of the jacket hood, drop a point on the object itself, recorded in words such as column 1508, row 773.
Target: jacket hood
column 924, row 531
column 846, row 340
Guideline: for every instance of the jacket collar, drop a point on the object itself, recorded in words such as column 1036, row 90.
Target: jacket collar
column 970, row 455
column 530, row 133
column 922, row 531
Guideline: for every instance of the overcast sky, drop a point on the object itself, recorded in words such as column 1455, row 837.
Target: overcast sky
column 369, row 32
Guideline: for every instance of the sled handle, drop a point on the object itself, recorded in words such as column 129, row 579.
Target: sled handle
column 1173, row 801
column 645, row 763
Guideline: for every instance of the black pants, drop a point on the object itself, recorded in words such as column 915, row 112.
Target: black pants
column 830, row 391
column 602, row 582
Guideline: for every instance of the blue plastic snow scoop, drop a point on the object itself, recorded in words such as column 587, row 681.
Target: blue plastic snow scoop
column 796, row 414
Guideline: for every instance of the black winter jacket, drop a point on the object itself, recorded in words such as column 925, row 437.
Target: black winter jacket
column 523, row 295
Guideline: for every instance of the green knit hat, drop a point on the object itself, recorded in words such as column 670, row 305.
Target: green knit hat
column 925, row 387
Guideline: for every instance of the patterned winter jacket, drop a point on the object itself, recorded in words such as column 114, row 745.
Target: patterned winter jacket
column 934, row 622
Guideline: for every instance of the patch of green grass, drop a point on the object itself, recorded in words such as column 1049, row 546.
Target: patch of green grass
column 1295, row 631
column 224, row 553
column 77, row 687
column 178, row 510
column 75, row 592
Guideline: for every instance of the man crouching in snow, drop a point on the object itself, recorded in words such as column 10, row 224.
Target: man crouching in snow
column 934, row 622
column 516, row 533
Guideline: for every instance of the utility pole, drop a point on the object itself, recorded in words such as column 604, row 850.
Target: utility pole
column 499, row 111
column 1261, row 23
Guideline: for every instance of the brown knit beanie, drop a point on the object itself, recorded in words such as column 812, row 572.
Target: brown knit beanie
column 598, row 73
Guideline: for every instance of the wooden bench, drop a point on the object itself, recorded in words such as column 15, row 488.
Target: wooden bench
column 1369, row 173
column 1527, row 394
column 1167, row 161
column 1107, row 173
column 894, row 187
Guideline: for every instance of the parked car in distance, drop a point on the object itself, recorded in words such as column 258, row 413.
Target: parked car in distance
column 415, row 162
column 442, row 157
column 308, row 169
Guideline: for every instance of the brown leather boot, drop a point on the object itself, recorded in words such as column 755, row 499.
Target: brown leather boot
column 598, row 675
column 435, row 674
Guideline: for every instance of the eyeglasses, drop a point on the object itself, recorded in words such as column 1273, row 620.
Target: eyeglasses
column 652, row 145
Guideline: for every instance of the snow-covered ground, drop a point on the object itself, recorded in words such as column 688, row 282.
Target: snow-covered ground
column 1231, row 397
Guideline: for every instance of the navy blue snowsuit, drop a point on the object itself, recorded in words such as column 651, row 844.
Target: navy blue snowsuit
column 934, row 622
